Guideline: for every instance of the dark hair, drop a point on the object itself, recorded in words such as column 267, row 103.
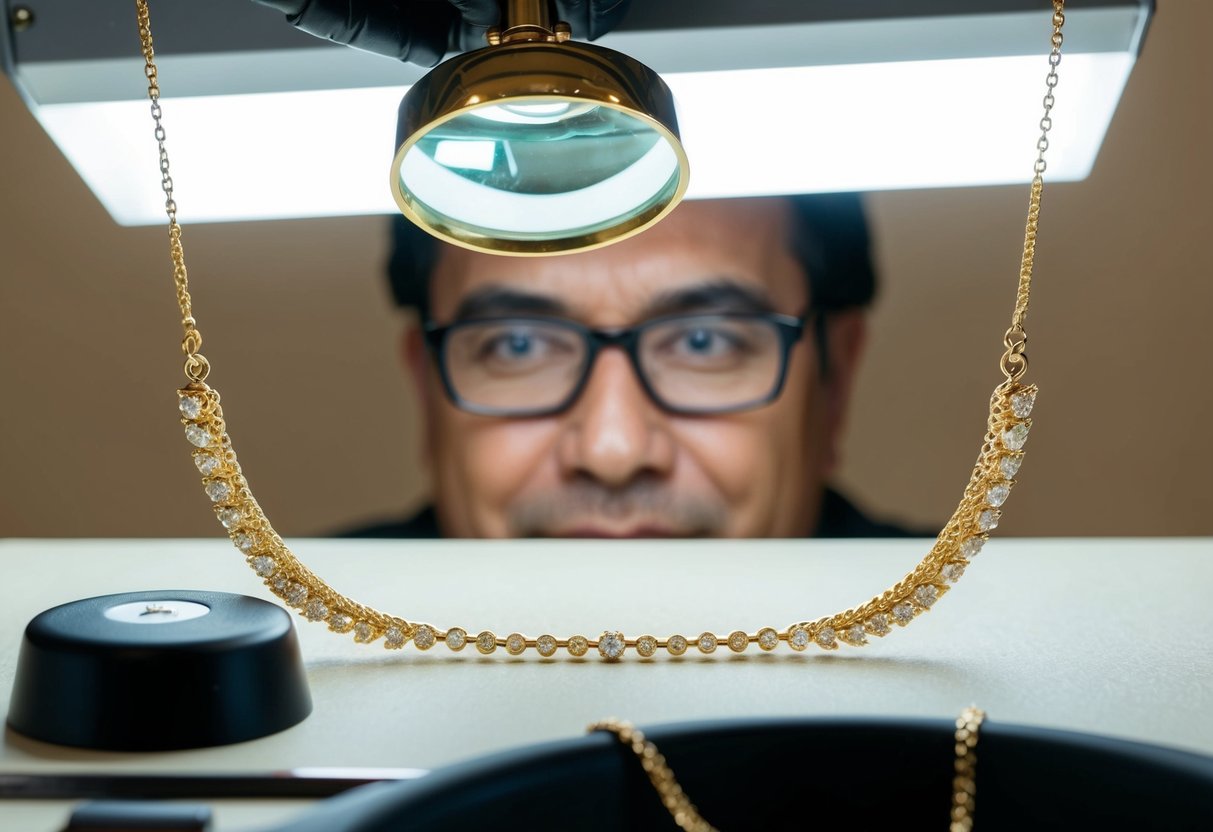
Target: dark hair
column 829, row 237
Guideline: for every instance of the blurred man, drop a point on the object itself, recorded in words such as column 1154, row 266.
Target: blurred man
column 690, row 381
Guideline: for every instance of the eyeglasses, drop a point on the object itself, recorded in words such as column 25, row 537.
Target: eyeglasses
column 688, row 364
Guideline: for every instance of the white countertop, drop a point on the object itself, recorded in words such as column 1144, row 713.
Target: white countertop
column 1112, row 637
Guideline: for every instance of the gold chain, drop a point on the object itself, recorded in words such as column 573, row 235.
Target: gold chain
column 196, row 366
column 964, row 782
column 680, row 807
column 675, row 800
column 963, row 536
column 1015, row 360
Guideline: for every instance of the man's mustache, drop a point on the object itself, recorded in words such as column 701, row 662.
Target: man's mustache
column 643, row 503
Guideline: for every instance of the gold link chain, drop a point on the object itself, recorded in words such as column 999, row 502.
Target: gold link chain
column 1014, row 361
column 964, row 782
column 196, row 366
column 675, row 800
column 684, row 813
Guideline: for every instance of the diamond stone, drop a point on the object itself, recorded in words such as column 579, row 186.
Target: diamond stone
column 515, row 643
column 646, row 646
column 926, row 595
column 363, row 632
column 456, row 638
column 244, row 542
column 486, row 642
column 951, row 572
column 424, row 637
column 206, row 464
column 677, row 645
column 706, row 643
column 316, row 610
column 279, row 584
column 229, row 517
column 1014, row 438
column 1021, row 403
column 190, row 406
column 296, row 594
column 827, row 639
column 988, row 520
column 218, row 491
column 971, row 547
column 546, row 646
column 611, row 645
column 903, row 613
column 578, row 645
column 877, row 625
column 798, row 638
column 340, row 622
column 856, row 635
column 264, row 566
column 1009, row 465
column 199, row 437
column 738, row 641
column 997, row 495
column 393, row 638
column 768, row 638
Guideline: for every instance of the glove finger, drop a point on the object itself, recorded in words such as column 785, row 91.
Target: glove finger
column 401, row 29
column 478, row 13
column 476, row 16
column 591, row 19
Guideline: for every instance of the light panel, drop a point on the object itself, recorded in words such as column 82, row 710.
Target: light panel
column 863, row 126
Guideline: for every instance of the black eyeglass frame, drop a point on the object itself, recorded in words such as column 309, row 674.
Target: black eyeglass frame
column 790, row 329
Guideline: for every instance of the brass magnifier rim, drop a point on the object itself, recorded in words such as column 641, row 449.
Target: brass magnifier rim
column 527, row 70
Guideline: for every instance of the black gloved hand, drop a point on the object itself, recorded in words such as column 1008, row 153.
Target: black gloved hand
column 422, row 31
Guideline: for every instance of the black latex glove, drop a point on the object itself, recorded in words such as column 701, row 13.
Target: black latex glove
column 422, row 31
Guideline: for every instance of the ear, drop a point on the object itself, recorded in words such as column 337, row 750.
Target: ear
column 415, row 360
column 847, row 335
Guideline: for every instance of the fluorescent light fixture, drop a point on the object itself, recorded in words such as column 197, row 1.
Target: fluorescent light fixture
column 858, row 121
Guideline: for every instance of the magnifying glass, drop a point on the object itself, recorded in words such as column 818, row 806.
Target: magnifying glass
column 537, row 144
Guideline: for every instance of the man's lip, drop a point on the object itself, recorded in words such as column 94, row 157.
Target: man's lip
column 616, row 534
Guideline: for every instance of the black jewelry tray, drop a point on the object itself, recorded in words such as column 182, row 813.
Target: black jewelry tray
column 825, row 774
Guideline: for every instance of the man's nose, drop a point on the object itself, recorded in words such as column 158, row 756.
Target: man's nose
column 614, row 432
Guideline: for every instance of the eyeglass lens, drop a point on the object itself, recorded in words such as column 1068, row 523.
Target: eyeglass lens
column 694, row 363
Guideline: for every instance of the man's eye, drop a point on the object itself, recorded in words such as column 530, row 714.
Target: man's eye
column 515, row 345
column 520, row 347
column 703, row 342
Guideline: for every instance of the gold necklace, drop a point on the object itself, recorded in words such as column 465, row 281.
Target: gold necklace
column 267, row 554
column 685, row 814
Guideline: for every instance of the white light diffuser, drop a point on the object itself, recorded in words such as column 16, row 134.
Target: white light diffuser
column 870, row 126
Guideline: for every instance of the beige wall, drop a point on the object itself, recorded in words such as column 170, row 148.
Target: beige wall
column 303, row 343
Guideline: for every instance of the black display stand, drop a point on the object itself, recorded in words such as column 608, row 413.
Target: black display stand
column 159, row 679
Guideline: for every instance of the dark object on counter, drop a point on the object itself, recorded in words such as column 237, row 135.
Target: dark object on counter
column 795, row 775
column 160, row 670
column 128, row 816
column 292, row 784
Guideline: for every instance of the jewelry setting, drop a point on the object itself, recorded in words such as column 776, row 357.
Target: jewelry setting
column 962, row 538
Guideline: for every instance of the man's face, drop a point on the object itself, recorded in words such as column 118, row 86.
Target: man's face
column 614, row 463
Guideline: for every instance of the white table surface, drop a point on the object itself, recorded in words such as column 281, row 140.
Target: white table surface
column 1106, row 636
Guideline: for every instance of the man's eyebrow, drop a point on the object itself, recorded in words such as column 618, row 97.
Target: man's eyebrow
column 721, row 294
column 493, row 301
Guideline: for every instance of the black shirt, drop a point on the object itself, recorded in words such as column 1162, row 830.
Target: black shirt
column 839, row 518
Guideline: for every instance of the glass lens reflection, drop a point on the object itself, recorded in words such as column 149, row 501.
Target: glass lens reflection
column 540, row 168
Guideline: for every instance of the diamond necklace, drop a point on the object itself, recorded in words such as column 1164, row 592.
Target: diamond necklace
column 267, row 554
